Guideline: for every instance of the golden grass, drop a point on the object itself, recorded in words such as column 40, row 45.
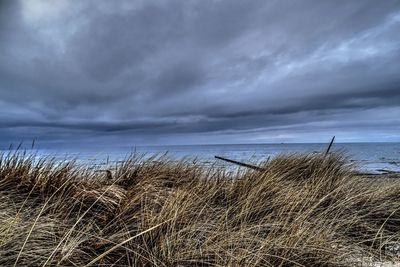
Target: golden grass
column 303, row 210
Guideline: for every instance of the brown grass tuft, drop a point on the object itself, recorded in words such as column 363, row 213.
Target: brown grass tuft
column 303, row 210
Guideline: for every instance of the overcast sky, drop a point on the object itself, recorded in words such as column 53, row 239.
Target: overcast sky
column 185, row 72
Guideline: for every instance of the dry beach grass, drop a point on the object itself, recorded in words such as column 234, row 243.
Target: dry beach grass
column 303, row 210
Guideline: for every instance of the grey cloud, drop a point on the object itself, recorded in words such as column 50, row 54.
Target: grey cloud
column 150, row 68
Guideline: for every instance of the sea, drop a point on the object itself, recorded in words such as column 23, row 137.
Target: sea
column 367, row 157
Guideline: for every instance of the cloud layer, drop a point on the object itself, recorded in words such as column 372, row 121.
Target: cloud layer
column 199, row 71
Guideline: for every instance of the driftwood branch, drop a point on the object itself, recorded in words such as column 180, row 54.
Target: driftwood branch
column 241, row 164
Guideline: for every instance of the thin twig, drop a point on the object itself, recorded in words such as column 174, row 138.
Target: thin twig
column 241, row 163
column 330, row 145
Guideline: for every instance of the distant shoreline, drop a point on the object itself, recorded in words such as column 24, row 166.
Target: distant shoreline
column 370, row 157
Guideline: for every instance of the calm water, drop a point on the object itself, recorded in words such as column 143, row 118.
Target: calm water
column 370, row 157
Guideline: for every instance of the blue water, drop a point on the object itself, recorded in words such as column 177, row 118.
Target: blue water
column 369, row 157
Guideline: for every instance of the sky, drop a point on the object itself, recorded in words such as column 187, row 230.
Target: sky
column 146, row 72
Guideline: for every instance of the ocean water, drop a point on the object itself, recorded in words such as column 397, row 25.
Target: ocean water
column 369, row 157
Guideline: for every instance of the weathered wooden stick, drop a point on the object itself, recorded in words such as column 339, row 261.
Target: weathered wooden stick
column 241, row 164
column 330, row 145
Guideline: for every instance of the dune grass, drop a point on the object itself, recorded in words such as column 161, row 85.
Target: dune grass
column 303, row 210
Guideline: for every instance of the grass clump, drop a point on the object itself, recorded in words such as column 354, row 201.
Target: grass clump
column 302, row 210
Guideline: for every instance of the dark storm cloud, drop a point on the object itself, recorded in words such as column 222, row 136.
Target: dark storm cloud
column 219, row 70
